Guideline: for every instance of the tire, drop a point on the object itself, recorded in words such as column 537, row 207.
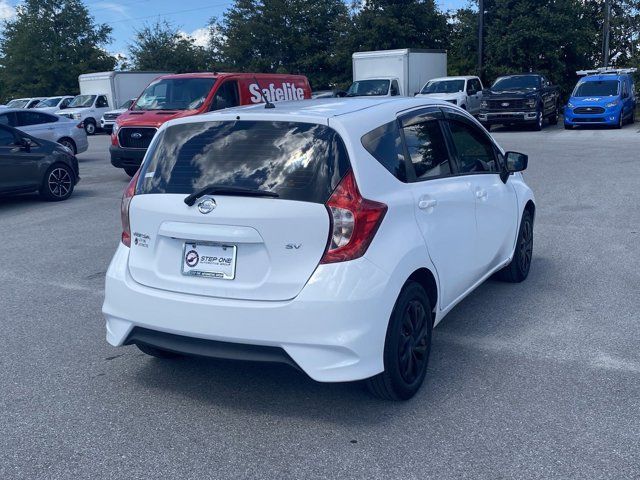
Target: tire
column 407, row 346
column 58, row 183
column 620, row 123
column 90, row 126
column 156, row 352
column 568, row 127
column 553, row 119
column 70, row 144
column 518, row 270
column 131, row 171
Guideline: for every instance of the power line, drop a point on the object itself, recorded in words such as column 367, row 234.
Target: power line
column 167, row 13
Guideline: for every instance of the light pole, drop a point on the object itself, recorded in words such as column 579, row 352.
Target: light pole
column 606, row 33
column 480, row 35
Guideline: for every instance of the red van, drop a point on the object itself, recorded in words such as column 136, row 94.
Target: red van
column 183, row 95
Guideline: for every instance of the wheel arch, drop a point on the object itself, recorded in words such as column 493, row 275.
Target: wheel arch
column 427, row 280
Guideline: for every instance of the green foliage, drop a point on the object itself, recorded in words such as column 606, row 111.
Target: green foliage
column 294, row 36
column 162, row 47
column 47, row 45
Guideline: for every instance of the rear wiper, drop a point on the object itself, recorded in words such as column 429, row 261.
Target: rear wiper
column 227, row 190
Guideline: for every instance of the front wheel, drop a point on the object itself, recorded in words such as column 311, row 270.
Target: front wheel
column 58, row 183
column 620, row 123
column 539, row 121
column 90, row 126
column 518, row 270
column 407, row 346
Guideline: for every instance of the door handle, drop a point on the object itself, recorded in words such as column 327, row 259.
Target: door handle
column 427, row 203
column 481, row 193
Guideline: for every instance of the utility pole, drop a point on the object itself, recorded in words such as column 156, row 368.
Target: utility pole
column 480, row 36
column 606, row 33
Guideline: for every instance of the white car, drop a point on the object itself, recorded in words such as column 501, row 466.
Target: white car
column 25, row 102
column 54, row 104
column 331, row 235
column 47, row 126
column 108, row 120
column 465, row 92
column 87, row 109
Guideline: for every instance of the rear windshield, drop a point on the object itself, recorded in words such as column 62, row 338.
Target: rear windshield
column 298, row 161
column 603, row 88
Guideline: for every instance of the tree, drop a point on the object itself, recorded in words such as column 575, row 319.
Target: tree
column 163, row 47
column 462, row 54
column 293, row 36
column 47, row 45
column 388, row 24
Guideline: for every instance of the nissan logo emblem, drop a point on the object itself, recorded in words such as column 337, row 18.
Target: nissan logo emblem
column 136, row 135
column 207, row 205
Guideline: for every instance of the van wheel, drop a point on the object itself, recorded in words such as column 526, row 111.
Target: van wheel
column 131, row 171
column 58, row 183
column 407, row 346
column 620, row 123
column 90, row 126
column 156, row 352
column 518, row 270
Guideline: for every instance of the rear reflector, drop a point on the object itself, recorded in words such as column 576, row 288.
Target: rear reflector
column 354, row 222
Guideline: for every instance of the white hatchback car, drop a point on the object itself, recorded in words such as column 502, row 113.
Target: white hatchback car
column 331, row 235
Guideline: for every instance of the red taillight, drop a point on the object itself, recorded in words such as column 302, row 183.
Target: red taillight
column 354, row 222
column 124, row 209
column 80, row 125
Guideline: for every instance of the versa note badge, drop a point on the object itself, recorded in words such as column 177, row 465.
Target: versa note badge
column 207, row 205
column 136, row 135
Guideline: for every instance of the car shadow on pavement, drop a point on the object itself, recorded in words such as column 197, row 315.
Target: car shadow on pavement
column 282, row 391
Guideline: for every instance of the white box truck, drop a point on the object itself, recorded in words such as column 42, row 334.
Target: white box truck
column 401, row 72
column 104, row 91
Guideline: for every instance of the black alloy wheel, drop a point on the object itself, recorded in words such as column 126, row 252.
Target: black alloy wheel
column 518, row 270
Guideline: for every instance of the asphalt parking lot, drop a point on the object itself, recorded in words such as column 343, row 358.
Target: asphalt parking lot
column 536, row 380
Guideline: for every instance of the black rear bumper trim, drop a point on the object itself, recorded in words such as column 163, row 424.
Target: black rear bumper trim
column 209, row 348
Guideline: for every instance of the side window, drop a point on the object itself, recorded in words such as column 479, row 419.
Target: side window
column 102, row 102
column 474, row 150
column 4, row 119
column 476, row 85
column 30, row 118
column 226, row 96
column 65, row 103
column 6, row 137
column 427, row 150
column 49, row 118
column 395, row 90
column 385, row 145
column 33, row 103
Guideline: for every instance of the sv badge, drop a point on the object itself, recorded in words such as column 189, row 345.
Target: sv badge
column 293, row 246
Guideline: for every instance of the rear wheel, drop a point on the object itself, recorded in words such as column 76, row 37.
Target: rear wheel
column 58, row 183
column 70, row 144
column 131, row 171
column 90, row 126
column 518, row 269
column 406, row 347
column 156, row 352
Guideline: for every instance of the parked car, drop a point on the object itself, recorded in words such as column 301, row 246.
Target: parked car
column 176, row 96
column 316, row 234
column 29, row 164
column 54, row 104
column 25, row 102
column 86, row 109
column 466, row 92
column 602, row 97
column 108, row 120
column 526, row 99
column 47, row 127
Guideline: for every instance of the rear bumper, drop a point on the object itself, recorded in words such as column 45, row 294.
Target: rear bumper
column 519, row 117
column 125, row 157
column 334, row 330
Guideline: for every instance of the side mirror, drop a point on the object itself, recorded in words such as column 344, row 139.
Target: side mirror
column 22, row 144
column 516, row 162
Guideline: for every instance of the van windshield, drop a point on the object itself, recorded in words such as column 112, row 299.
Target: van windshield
column 175, row 94
column 600, row 88
column 366, row 88
column 298, row 161
column 444, row 86
column 82, row 101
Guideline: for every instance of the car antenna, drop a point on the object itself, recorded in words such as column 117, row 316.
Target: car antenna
column 267, row 103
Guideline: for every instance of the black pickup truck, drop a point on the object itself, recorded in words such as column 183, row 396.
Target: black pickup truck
column 525, row 99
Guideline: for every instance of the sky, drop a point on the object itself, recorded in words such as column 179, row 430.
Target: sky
column 190, row 16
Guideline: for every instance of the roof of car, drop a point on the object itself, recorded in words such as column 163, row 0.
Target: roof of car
column 598, row 78
column 457, row 77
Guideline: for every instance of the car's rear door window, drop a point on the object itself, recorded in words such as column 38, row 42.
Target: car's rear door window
column 427, row 150
column 298, row 161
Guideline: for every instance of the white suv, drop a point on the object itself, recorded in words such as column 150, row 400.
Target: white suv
column 331, row 235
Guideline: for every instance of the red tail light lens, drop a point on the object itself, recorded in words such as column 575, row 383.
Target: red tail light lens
column 124, row 209
column 354, row 222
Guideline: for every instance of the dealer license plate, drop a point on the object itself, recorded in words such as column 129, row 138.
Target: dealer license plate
column 209, row 260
